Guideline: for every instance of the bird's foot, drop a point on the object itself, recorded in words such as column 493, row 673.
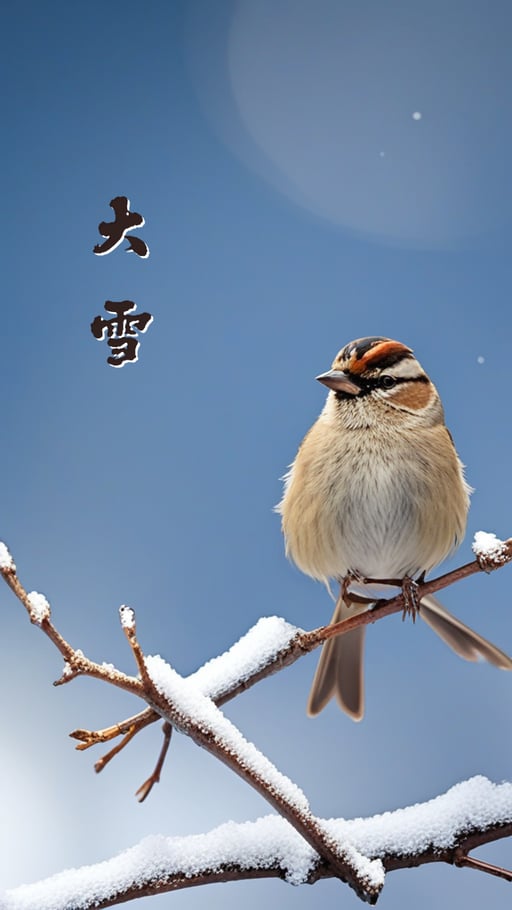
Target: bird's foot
column 350, row 598
column 411, row 599
column 409, row 587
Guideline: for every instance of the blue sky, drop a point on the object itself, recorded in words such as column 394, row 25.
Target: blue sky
column 292, row 203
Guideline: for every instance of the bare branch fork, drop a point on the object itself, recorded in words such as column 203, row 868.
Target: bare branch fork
column 193, row 710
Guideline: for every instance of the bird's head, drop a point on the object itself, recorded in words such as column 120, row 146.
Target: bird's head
column 380, row 370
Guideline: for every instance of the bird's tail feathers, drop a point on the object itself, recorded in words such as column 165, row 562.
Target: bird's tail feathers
column 340, row 670
column 460, row 638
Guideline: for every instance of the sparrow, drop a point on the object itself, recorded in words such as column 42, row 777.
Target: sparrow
column 376, row 492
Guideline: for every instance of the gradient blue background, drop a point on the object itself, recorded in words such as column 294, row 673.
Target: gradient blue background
column 250, row 136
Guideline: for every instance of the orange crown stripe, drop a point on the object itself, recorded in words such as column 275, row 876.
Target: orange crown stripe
column 377, row 353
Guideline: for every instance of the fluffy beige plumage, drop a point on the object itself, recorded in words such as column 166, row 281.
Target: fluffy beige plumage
column 376, row 491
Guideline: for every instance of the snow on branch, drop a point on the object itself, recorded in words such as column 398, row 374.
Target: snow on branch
column 296, row 846
column 196, row 708
column 440, row 830
column 259, row 647
column 490, row 550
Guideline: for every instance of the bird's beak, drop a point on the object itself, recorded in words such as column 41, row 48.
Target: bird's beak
column 339, row 382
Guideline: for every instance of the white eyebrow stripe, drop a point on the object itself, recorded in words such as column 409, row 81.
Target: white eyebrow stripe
column 408, row 368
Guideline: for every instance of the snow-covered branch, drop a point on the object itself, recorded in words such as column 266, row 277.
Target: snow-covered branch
column 295, row 845
column 442, row 830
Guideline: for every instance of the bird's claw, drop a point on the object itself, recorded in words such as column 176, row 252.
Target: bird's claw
column 411, row 599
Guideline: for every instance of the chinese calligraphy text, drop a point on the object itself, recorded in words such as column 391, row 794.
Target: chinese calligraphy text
column 115, row 231
column 121, row 330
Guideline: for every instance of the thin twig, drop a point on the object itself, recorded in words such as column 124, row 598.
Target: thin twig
column 127, row 616
column 104, row 760
column 470, row 862
column 137, row 722
column 77, row 662
column 145, row 789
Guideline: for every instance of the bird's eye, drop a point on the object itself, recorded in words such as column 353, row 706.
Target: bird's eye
column 387, row 382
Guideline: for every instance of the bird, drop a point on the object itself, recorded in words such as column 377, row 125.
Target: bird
column 376, row 492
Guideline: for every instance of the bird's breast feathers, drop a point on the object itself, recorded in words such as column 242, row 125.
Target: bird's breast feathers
column 373, row 503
